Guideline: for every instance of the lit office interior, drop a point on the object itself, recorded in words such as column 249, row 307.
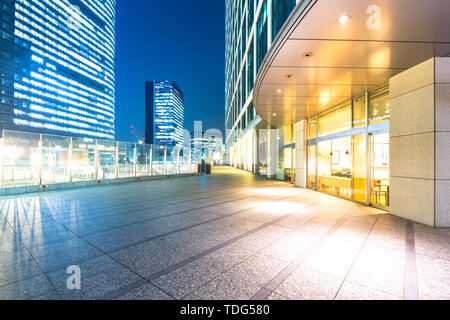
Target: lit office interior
column 348, row 149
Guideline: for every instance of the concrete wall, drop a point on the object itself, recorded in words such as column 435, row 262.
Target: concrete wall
column 420, row 143
column 300, row 153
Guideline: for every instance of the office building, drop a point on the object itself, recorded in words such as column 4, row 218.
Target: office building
column 207, row 147
column 345, row 97
column 57, row 67
column 164, row 113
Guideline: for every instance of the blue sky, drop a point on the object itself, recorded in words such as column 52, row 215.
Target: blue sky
column 170, row 39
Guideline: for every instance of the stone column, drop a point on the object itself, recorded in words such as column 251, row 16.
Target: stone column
column 420, row 143
column 272, row 146
column 300, row 153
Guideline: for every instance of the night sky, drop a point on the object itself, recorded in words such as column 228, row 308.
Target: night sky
column 170, row 39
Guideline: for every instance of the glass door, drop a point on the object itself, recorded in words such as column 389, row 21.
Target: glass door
column 312, row 166
column 380, row 169
column 359, row 168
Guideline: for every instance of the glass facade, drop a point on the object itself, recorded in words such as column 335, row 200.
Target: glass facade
column 251, row 26
column 57, row 67
column 208, row 148
column 348, row 149
column 164, row 117
column 281, row 9
column 261, row 36
column 379, row 168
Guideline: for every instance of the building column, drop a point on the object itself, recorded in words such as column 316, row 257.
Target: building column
column 420, row 143
column 300, row 153
column 255, row 151
column 272, row 146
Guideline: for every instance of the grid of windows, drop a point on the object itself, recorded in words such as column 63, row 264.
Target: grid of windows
column 57, row 66
column 343, row 139
column 280, row 11
column 250, row 27
column 261, row 35
column 165, row 114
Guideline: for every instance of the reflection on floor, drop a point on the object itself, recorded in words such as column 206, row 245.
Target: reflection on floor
column 225, row 236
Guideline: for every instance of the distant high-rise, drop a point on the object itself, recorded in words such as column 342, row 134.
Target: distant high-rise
column 164, row 113
column 57, row 67
column 207, row 147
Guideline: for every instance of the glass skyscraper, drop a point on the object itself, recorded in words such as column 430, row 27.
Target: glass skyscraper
column 251, row 26
column 57, row 67
column 164, row 113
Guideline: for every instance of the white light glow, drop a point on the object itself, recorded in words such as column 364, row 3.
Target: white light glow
column 344, row 19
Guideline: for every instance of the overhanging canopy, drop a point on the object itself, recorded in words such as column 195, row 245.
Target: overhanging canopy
column 347, row 59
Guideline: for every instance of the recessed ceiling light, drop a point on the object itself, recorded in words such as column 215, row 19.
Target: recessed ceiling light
column 279, row 90
column 274, row 115
column 308, row 54
column 344, row 19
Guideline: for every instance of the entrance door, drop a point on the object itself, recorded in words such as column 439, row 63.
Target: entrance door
column 380, row 169
column 312, row 166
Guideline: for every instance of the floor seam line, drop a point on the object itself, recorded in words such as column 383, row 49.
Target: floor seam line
column 220, row 246
column 37, row 264
column 258, row 252
column 109, row 256
column 162, row 206
column 156, row 218
column 356, row 257
column 298, row 261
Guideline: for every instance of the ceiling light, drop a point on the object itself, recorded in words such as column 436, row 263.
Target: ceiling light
column 344, row 19
column 274, row 114
column 279, row 91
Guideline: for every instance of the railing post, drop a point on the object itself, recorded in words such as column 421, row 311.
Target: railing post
column 151, row 161
column 41, row 159
column 191, row 161
column 96, row 161
column 165, row 161
column 178, row 162
column 116, row 162
column 71, row 160
column 135, row 160
column 2, row 170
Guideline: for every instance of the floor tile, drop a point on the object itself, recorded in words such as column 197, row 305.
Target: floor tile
column 306, row 284
column 353, row 291
column 184, row 280
column 145, row 292
column 433, row 277
column 380, row 268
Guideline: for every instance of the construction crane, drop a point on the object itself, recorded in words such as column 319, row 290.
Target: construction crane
column 135, row 132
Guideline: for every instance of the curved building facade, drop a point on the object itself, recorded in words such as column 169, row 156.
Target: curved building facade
column 251, row 26
column 57, row 67
column 345, row 97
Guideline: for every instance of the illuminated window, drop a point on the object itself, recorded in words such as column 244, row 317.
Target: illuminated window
column 64, row 82
column 379, row 108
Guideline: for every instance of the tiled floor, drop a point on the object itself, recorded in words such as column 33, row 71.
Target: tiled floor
column 231, row 235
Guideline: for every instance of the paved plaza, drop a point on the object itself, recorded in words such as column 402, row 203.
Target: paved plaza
column 231, row 235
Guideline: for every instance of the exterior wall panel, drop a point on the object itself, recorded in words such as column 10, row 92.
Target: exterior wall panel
column 58, row 67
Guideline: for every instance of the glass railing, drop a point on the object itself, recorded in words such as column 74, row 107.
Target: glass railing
column 32, row 159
